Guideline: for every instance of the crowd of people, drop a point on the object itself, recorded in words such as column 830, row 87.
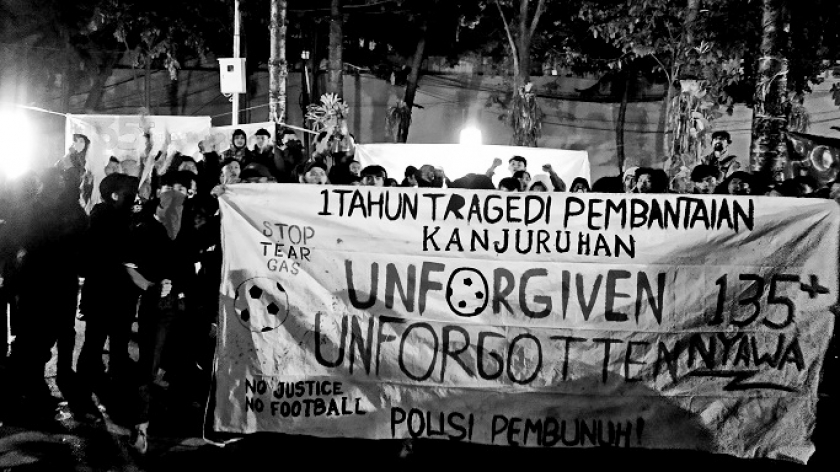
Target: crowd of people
column 149, row 253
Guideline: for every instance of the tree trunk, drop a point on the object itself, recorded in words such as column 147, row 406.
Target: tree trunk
column 335, row 84
column 524, row 46
column 413, row 79
column 147, row 83
column 768, row 153
column 315, row 64
column 622, row 119
column 278, row 68
column 94, row 98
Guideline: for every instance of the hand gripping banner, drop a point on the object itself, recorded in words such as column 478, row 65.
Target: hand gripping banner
column 529, row 319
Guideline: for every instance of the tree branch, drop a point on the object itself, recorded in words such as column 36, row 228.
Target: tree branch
column 664, row 69
column 536, row 19
column 509, row 36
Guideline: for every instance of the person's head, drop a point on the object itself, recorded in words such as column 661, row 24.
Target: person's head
column 721, row 141
column 509, row 184
column 524, row 178
column 119, row 190
column 355, row 168
column 609, row 184
column 315, row 173
column 80, row 143
column 580, row 185
column 188, row 164
column 806, row 185
column 739, row 183
column 473, row 181
column 113, row 166
column 705, row 178
column 374, row 176
column 645, row 180
column 628, row 180
column 288, row 137
column 517, row 163
column 263, row 138
column 231, row 170
column 239, row 139
column 389, row 182
column 180, row 181
column 425, row 175
column 540, row 183
column 410, row 176
column 255, row 173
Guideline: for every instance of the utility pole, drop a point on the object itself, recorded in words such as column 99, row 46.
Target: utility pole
column 237, row 26
column 278, row 68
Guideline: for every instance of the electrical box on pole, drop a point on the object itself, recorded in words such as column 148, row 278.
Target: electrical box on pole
column 232, row 77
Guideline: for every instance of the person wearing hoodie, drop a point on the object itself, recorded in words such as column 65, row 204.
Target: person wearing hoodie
column 238, row 148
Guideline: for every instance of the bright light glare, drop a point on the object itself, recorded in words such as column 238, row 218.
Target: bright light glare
column 471, row 136
column 17, row 138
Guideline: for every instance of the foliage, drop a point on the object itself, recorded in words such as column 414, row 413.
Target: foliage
column 158, row 30
column 330, row 115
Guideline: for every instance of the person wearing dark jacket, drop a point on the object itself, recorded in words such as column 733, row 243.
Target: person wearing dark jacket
column 155, row 270
column 109, row 296
column 48, row 286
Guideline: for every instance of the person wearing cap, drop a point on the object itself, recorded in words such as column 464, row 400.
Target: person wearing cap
column 720, row 157
column 263, row 152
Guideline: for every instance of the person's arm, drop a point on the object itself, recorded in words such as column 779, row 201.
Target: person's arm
column 492, row 170
column 137, row 278
column 556, row 181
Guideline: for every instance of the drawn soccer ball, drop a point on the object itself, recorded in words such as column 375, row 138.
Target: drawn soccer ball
column 467, row 292
column 261, row 304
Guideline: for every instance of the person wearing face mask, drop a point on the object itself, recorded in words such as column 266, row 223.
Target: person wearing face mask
column 720, row 157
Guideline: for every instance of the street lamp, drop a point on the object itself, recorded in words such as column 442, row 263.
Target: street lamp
column 17, row 134
column 471, row 136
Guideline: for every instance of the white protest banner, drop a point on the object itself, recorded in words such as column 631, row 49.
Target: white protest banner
column 530, row 319
column 458, row 160
column 121, row 136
